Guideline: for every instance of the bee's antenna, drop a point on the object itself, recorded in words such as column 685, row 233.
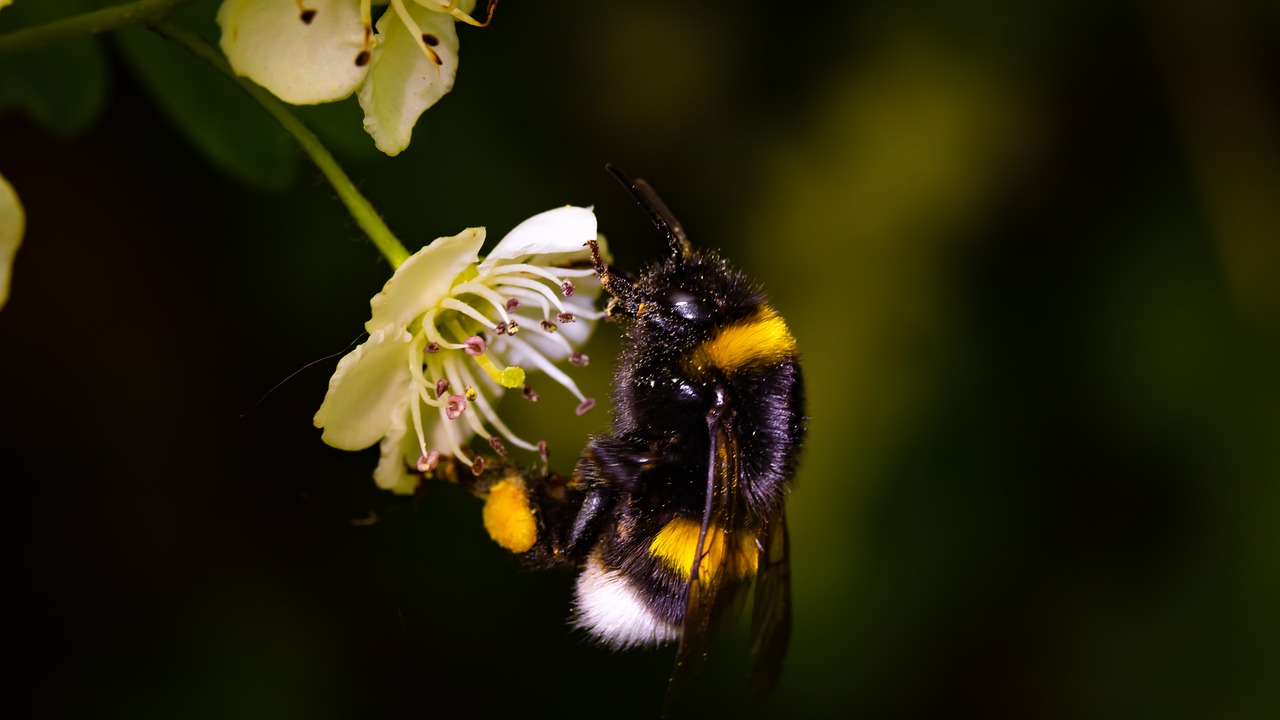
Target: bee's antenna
column 659, row 214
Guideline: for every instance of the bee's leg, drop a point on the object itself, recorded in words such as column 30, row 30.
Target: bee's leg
column 524, row 512
column 586, row 525
column 621, row 290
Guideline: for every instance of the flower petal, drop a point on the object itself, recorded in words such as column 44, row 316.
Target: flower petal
column 398, row 449
column 560, row 232
column 403, row 80
column 299, row 62
column 424, row 279
column 12, row 224
column 369, row 384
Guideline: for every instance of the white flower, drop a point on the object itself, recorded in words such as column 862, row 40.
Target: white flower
column 450, row 332
column 12, row 222
column 315, row 51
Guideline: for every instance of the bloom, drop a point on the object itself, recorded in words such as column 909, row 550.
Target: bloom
column 12, row 222
column 315, row 51
column 450, row 332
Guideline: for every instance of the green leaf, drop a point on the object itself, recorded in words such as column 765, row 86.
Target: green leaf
column 63, row 87
column 221, row 120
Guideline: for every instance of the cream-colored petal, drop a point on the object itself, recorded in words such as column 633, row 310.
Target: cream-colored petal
column 366, row 389
column 556, row 236
column 12, row 224
column 399, row 454
column 300, row 62
column 403, row 80
column 424, row 279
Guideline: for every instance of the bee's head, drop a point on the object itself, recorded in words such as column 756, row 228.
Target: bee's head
column 689, row 292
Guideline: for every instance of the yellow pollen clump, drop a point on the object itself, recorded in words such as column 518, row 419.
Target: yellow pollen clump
column 508, row 517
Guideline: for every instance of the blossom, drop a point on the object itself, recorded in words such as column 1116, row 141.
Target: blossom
column 315, row 51
column 12, row 222
column 450, row 332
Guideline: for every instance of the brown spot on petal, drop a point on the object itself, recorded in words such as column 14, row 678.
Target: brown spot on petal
column 307, row 16
column 430, row 39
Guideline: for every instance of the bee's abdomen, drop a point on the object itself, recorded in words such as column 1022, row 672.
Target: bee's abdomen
column 622, row 607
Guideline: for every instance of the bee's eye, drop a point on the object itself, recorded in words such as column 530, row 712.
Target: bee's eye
column 687, row 305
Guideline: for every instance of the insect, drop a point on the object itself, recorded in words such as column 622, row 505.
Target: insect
column 679, row 509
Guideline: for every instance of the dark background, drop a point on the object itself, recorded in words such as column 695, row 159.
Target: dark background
column 1031, row 255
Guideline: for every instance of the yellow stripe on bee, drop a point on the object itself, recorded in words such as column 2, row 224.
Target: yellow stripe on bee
column 762, row 339
column 677, row 542
column 508, row 517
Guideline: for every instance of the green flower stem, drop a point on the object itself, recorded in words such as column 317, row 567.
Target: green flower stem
column 365, row 216
column 142, row 11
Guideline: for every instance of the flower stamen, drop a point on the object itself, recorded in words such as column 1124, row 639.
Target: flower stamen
column 551, row 370
column 415, row 372
column 428, row 462
column 534, row 285
column 418, row 36
column 451, row 8
column 492, row 417
column 454, row 448
column 483, row 291
column 305, row 14
column 455, row 304
column 455, row 406
column 517, row 269
column 433, row 333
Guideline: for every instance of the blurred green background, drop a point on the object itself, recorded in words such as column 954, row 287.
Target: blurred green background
column 1031, row 252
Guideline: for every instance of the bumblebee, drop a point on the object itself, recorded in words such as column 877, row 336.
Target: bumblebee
column 677, row 511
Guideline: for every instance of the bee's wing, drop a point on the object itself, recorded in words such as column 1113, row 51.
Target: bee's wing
column 707, row 596
column 771, row 606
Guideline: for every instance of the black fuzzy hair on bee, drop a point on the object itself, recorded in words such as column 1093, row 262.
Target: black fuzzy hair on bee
column 679, row 509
